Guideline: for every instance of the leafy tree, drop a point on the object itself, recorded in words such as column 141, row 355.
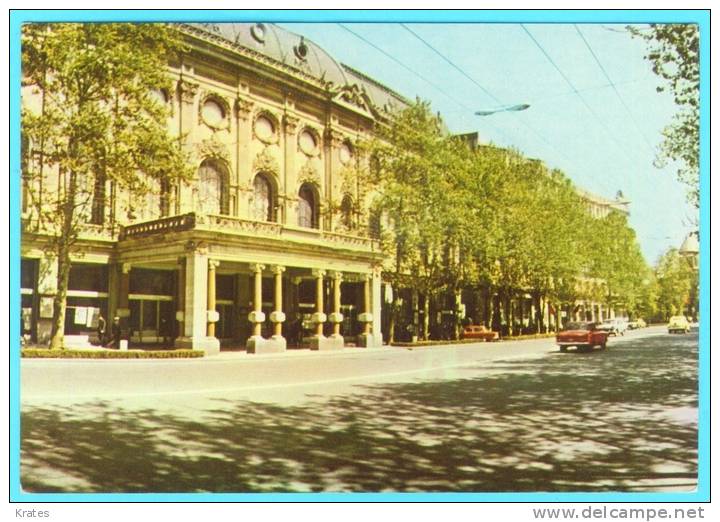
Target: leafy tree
column 676, row 281
column 96, row 123
column 674, row 52
column 618, row 261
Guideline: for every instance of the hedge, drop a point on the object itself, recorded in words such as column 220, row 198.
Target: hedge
column 471, row 341
column 43, row 353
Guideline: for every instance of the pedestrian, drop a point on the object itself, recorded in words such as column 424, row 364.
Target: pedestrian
column 101, row 329
column 116, row 331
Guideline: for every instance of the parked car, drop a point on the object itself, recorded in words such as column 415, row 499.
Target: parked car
column 479, row 331
column 613, row 326
column 583, row 335
column 678, row 324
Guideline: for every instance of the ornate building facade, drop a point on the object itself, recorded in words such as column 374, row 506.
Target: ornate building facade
column 269, row 245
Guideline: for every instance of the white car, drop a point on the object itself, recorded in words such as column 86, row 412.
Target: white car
column 614, row 326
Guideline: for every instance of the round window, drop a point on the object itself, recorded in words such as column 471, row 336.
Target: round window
column 213, row 113
column 258, row 32
column 345, row 153
column 264, row 128
column 308, row 143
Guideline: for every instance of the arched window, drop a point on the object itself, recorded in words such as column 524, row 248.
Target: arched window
column 262, row 204
column 307, row 206
column 212, row 189
column 346, row 212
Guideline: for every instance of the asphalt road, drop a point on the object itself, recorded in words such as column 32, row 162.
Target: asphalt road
column 509, row 416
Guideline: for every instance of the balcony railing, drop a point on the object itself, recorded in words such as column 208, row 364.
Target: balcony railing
column 159, row 226
column 245, row 227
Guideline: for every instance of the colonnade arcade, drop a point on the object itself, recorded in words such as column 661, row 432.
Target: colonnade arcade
column 263, row 307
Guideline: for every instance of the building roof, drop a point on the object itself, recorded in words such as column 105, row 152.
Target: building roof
column 304, row 56
column 691, row 245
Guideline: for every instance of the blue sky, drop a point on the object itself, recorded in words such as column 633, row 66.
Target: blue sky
column 602, row 139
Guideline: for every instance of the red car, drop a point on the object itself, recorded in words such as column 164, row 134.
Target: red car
column 583, row 335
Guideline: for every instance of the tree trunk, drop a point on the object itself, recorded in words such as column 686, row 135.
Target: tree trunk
column 67, row 213
column 426, row 317
column 539, row 313
column 391, row 325
column 507, row 306
column 57, row 341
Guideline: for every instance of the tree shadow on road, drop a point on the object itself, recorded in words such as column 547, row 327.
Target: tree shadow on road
column 609, row 420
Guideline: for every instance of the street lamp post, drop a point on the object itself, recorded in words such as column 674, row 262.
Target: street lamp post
column 506, row 108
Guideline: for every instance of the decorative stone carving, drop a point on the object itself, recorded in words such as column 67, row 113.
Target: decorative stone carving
column 365, row 317
column 291, row 123
column 352, row 95
column 243, row 108
column 256, row 317
column 277, row 317
column 336, row 317
column 318, row 317
column 308, row 174
column 187, row 90
column 334, row 137
column 265, row 162
column 198, row 247
column 212, row 148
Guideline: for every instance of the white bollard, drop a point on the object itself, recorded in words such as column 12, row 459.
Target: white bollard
column 123, row 345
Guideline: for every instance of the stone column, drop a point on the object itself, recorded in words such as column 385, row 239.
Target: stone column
column 319, row 302
column 336, row 318
column 319, row 341
column 195, row 317
column 212, row 314
column 123, row 302
column 256, row 343
column 180, row 304
column 277, row 343
column 366, row 317
column 376, row 307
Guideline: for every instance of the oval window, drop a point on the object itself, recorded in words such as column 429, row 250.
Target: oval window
column 308, row 143
column 264, row 128
column 213, row 113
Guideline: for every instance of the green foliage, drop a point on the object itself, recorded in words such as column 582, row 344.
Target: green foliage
column 38, row 353
column 92, row 120
column 676, row 285
column 487, row 217
column 674, row 52
column 618, row 261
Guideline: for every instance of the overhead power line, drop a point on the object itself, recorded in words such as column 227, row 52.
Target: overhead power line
column 579, row 95
column 417, row 74
column 614, row 88
column 487, row 92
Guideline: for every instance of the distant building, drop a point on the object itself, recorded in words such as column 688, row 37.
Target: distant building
column 600, row 207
